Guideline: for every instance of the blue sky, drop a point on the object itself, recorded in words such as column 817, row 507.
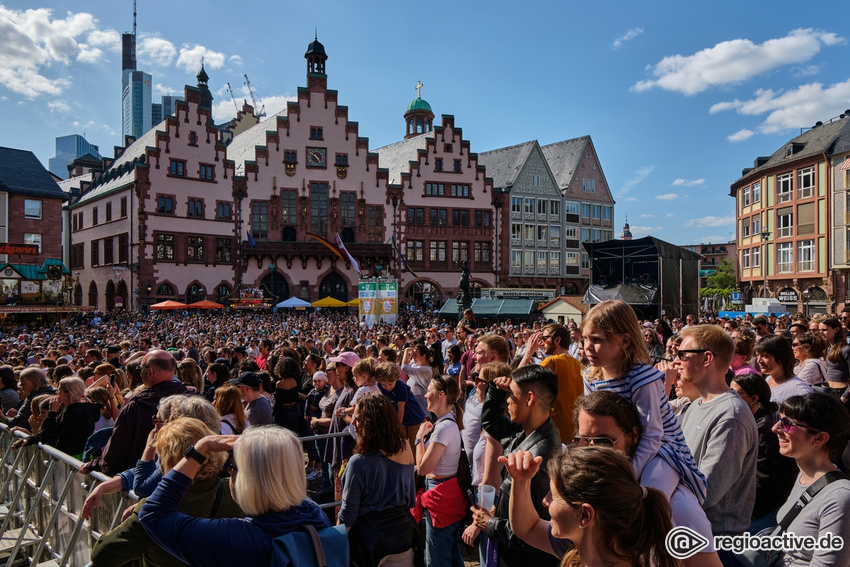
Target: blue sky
column 678, row 97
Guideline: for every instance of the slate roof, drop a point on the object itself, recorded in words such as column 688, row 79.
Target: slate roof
column 396, row 157
column 243, row 147
column 564, row 157
column 121, row 171
column 842, row 142
column 816, row 141
column 22, row 174
column 503, row 165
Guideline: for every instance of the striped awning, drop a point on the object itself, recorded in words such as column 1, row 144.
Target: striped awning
column 846, row 165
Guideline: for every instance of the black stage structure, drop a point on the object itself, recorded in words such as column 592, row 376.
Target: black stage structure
column 651, row 275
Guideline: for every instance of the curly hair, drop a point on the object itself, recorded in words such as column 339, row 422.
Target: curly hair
column 632, row 524
column 378, row 427
column 177, row 436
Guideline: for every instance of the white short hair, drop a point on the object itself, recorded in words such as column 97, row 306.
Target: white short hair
column 270, row 464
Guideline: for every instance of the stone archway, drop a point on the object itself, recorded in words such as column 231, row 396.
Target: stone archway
column 78, row 295
column 110, row 295
column 334, row 285
column 93, row 295
column 121, row 291
column 424, row 291
column 275, row 287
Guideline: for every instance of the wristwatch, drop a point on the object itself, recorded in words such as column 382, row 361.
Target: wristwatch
column 418, row 441
column 192, row 453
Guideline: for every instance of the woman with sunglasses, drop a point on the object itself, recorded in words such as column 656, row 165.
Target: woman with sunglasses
column 837, row 356
column 808, row 351
column 774, row 473
column 653, row 345
column 776, row 361
column 813, row 430
column 438, row 452
column 379, row 487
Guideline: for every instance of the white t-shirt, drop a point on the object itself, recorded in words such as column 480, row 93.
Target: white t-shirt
column 446, row 433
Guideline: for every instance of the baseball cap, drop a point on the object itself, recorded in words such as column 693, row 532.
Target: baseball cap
column 249, row 379
column 347, row 358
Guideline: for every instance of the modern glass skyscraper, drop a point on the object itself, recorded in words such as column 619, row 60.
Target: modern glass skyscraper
column 135, row 103
column 69, row 148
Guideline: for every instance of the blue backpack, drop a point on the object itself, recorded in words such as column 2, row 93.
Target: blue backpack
column 308, row 547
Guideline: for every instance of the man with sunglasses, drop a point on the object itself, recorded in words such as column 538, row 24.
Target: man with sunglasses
column 720, row 431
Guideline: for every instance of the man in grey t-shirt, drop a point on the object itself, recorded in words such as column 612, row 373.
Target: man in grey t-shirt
column 719, row 429
column 259, row 410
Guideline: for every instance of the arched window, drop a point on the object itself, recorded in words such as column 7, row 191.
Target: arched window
column 222, row 292
column 165, row 289
column 334, row 285
column 195, row 292
column 110, row 295
column 78, row 295
column 420, row 126
column 93, row 294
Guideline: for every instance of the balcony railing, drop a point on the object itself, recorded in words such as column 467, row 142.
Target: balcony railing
column 516, row 241
column 555, row 242
column 806, row 266
column 784, row 267
column 785, row 231
column 516, row 215
column 529, row 270
column 554, row 271
column 516, row 269
column 528, row 242
column 542, row 243
column 542, row 217
column 528, row 216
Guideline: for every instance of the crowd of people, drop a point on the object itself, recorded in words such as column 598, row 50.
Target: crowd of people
column 535, row 443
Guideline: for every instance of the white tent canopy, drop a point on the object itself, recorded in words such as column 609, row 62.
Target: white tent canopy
column 293, row 302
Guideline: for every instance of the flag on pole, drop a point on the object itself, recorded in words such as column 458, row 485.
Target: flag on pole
column 403, row 259
column 333, row 247
column 344, row 250
column 251, row 242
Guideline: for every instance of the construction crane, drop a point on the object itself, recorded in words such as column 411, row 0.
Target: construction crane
column 233, row 98
column 261, row 113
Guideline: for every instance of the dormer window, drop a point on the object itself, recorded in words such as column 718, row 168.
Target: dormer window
column 789, row 150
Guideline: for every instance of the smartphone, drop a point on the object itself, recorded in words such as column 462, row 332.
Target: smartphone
column 112, row 379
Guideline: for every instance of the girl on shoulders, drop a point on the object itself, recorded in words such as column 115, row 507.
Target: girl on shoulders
column 619, row 362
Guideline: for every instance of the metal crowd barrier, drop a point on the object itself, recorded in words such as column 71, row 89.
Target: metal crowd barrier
column 42, row 495
column 41, row 498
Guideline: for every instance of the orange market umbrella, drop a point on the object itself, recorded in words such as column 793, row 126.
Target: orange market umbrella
column 205, row 304
column 169, row 305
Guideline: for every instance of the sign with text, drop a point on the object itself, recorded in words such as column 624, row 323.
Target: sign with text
column 19, row 249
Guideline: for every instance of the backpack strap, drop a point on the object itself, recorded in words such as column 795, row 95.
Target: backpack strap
column 317, row 546
column 809, row 495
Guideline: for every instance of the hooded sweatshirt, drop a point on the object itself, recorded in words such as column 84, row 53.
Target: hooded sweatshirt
column 200, row 541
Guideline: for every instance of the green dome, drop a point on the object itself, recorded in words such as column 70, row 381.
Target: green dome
column 419, row 104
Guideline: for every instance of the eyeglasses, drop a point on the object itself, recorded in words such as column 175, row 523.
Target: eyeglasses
column 786, row 425
column 795, row 345
column 680, row 352
column 546, row 337
column 583, row 441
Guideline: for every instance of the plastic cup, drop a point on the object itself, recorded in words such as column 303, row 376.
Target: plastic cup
column 487, row 496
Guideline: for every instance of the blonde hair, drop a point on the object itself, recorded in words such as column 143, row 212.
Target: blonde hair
column 386, row 372
column 364, row 366
column 271, row 478
column 190, row 374
column 713, row 339
column 75, row 388
column 493, row 370
column 177, row 436
column 617, row 318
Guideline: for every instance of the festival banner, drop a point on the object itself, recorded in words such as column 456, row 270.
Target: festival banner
column 367, row 293
column 388, row 302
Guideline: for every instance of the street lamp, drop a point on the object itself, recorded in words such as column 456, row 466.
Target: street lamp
column 765, row 234
column 806, row 295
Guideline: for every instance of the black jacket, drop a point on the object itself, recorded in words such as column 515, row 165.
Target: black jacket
column 542, row 442
column 69, row 430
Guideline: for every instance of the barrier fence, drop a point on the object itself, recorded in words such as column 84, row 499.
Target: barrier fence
column 41, row 498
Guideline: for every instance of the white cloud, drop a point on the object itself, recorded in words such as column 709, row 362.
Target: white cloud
column 58, row 106
column 161, row 89
column 740, row 135
column 190, row 58
column 688, row 182
column 645, row 216
column 669, row 215
column 667, row 196
column 235, row 59
column 734, row 61
column 34, row 40
column 806, row 71
column 109, row 39
column 793, row 109
column 710, row 221
column 643, row 230
column 629, row 35
column 632, row 200
column 156, row 50
column 223, row 108
column 639, row 176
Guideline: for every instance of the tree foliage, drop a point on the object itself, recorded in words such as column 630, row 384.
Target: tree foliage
column 724, row 278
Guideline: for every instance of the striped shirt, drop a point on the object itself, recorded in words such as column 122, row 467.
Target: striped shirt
column 661, row 433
